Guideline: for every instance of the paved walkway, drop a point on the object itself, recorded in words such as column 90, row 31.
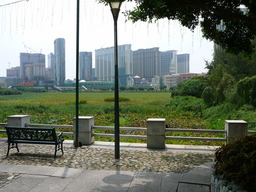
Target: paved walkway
column 24, row 178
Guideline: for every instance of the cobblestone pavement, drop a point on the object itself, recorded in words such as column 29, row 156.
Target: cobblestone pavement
column 103, row 158
column 94, row 157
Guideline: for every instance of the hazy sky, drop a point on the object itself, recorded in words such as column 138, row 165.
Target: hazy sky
column 35, row 24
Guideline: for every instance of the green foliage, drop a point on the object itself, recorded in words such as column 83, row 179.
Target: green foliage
column 222, row 87
column 239, row 27
column 122, row 88
column 82, row 102
column 38, row 108
column 32, row 89
column 112, row 99
column 179, row 111
column 188, row 103
column 238, row 66
column 209, row 96
column 4, row 91
column 246, row 90
column 236, row 162
column 192, row 87
column 243, row 90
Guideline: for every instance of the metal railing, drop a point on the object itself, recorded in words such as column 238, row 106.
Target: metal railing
column 166, row 137
column 140, row 129
column 121, row 129
column 195, row 131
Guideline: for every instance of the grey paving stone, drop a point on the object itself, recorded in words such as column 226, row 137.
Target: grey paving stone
column 170, row 182
column 146, row 181
column 201, row 174
column 6, row 167
column 28, row 169
column 65, row 172
column 24, row 183
column 52, row 184
column 92, row 180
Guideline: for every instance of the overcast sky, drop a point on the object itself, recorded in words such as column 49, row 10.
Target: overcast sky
column 32, row 26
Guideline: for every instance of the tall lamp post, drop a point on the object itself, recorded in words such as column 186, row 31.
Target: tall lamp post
column 115, row 8
column 76, row 143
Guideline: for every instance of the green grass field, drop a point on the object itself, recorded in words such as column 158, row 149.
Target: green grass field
column 59, row 108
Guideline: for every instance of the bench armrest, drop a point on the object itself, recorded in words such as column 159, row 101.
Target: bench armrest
column 59, row 134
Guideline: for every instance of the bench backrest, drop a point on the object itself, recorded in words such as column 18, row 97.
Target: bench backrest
column 30, row 133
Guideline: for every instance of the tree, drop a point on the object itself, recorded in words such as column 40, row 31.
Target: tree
column 239, row 25
column 192, row 87
column 123, row 88
column 239, row 66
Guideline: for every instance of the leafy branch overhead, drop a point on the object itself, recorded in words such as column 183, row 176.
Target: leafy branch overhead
column 239, row 23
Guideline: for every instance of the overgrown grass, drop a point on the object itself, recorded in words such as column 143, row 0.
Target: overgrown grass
column 180, row 112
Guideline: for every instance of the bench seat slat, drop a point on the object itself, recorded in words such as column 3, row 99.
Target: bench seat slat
column 34, row 142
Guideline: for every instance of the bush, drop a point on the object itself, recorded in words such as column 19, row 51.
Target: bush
column 192, row 87
column 112, row 99
column 82, row 102
column 209, row 96
column 32, row 89
column 236, row 162
column 4, row 91
column 189, row 103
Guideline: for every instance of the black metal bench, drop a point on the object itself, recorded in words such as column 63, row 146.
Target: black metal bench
column 31, row 135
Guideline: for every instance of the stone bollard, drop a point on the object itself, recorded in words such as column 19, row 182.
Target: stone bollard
column 18, row 120
column 235, row 129
column 156, row 133
column 85, row 130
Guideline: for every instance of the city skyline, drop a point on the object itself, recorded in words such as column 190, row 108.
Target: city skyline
column 131, row 62
column 35, row 24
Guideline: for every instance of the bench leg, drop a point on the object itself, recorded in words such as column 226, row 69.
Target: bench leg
column 62, row 147
column 17, row 147
column 8, row 149
column 55, row 151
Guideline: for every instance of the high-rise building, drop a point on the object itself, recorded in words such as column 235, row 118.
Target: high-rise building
column 104, row 64
column 86, row 66
column 146, row 63
column 168, row 62
column 39, row 71
column 59, row 54
column 29, row 58
column 13, row 72
column 183, row 63
column 51, row 67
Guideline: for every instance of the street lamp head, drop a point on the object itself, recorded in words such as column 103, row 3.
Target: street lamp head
column 115, row 8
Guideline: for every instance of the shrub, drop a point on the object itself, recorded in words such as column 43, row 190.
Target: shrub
column 112, row 99
column 82, row 102
column 209, row 96
column 188, row 103
column 4, row 91
column 236, row 162
column 32, row 89
column 191, row 87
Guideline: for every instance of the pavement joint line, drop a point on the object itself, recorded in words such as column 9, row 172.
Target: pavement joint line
column 193, row 183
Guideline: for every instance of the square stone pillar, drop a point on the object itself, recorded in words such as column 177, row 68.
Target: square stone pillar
column 18, row 120
column 235, row 129
column 85, row 131
column 156, row 133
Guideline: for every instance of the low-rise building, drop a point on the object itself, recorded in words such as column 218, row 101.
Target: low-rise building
column 171, row 80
